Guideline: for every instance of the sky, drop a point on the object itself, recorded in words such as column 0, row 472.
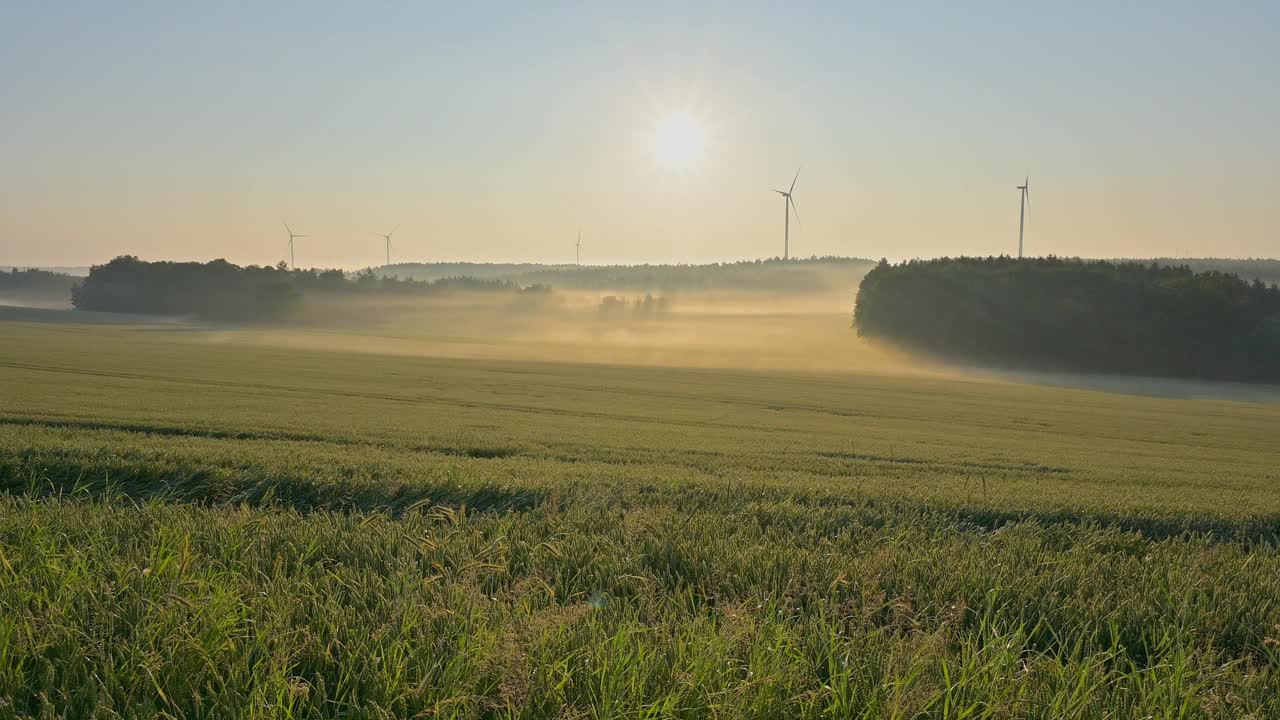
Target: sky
column 497, row 131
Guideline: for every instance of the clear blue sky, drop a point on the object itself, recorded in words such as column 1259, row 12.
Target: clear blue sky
column 177, row 130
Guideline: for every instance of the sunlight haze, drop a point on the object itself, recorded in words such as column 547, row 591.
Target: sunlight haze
column 495, row 133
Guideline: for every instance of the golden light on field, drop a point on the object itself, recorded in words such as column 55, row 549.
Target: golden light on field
column 679, row 141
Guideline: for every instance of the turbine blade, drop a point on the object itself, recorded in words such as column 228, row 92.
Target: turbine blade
column 794, row 209
column 393, row 230
column 286, row 227
column 781, row 192
column 794, row 179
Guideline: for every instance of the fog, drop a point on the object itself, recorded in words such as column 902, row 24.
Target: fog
column 779, row 331
column 769, row 331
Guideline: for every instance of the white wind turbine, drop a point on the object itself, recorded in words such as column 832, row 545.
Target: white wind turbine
column 387, row 237
column 788, row 204
column 292, row 236
column 1024, row 208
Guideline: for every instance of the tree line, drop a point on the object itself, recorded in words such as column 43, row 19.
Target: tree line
column 35, row 284
column 814, row 274
column 220, row 290
column 1054, row 313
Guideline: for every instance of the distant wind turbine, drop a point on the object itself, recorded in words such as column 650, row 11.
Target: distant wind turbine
column 577, row 249
column 1024, row 207
column 387, row 237
column 292, row 236
column 788, row 204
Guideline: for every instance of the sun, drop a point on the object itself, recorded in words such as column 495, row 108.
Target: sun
column 679, row 141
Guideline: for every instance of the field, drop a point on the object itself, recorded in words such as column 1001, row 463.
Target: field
column 226, row 522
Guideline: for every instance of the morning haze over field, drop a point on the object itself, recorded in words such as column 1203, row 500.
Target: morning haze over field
column 439, row 361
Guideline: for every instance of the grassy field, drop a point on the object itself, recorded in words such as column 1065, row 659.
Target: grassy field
column 204, row 522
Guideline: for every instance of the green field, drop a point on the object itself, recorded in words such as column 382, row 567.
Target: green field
column 212, row 522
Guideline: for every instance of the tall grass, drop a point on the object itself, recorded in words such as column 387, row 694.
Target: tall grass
column 159, row 608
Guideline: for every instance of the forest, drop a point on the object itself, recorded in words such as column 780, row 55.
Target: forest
column 1065, row 314
column 219, row 290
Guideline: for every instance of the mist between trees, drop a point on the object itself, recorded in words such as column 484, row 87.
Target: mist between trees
column 799, row 275
column 32, row 283
column 222, row 291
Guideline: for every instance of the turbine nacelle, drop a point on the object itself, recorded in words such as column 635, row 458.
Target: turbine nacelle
column 387, row 237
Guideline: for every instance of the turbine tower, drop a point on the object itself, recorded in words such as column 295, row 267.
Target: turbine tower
column 292, row 236
column 788, row 204
column 1024, row 205
column 387, row 237
column 577, row 249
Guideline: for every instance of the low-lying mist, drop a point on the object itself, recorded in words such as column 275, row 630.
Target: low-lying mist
column 776, row 331
column 783, row 331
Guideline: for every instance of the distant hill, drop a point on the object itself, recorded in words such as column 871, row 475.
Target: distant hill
column 1266, row 270
column 799, row 275
column 72, row 270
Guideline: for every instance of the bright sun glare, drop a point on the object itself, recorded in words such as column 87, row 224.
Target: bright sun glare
column 678, row 141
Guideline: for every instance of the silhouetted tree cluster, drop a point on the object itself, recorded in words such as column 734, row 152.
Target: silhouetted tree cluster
column 219, row 290
column 35, row 284
column 1057, row 313
column 615, row 307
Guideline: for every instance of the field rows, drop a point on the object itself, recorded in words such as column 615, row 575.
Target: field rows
column 199, row 529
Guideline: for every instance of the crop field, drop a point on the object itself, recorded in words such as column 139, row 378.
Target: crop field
column 199, row 523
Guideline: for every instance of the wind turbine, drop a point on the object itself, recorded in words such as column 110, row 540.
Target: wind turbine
column 788, row 204
column 292, row 236
column 1024, row 206
column 388, row 239
column 577, row 249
